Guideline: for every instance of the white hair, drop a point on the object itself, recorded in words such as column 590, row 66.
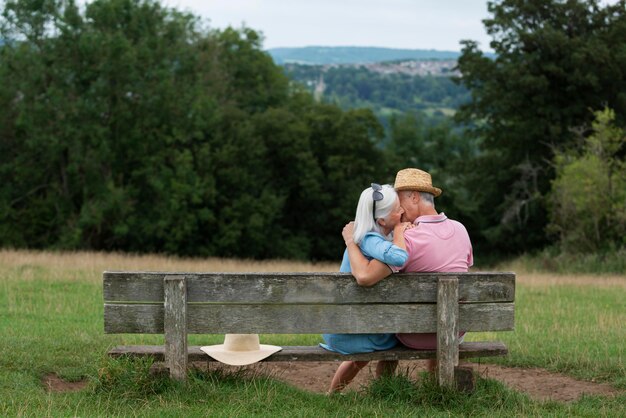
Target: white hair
column 364, row 219
column 425, row 197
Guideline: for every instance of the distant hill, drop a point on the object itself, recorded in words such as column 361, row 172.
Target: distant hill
column 320, row 55
column 384, row 89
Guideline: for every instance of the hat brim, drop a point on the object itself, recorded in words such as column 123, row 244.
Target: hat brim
column 239, row 358
column 435, row 191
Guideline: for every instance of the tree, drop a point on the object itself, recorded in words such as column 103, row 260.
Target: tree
column 442, row 150
column 108, row 113
column 555, row 60
column 588, row 196
column 346, row 148
column 130, row 126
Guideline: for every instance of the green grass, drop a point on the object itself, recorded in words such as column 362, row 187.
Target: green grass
column 52, row 324
column 577, row 330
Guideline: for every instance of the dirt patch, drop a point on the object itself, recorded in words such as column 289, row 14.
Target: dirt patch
column 53, row 383
column 539, row 384
column 542, row 385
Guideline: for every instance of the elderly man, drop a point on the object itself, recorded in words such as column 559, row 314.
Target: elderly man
column 435, row 244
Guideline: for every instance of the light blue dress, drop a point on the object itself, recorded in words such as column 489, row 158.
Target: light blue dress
column 373, row 246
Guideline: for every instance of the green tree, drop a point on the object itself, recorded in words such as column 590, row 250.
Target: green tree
column 443, row 151
column 555, row 60
column 588, row 197
column 131, row 126
column 346, row 147
column 108, row 114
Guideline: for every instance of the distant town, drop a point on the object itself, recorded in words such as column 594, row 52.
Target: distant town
column 445, row 68
column 415, row 67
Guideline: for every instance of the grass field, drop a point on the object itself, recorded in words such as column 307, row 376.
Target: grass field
column 51, row 322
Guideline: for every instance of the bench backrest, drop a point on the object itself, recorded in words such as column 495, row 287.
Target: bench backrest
column 305, row 303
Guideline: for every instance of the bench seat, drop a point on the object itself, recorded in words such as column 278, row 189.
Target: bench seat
column 316, row 353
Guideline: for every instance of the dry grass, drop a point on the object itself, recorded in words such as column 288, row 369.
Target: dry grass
column 25, row 265
column 546, row 279
column 90, row 265
column 527, row 277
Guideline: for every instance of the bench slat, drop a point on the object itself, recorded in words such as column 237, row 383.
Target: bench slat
column 306, row 287
column 315, row 353
column 306, row 319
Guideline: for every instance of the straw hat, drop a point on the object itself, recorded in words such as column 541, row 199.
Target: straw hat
column 240, row 349
column 414, row 179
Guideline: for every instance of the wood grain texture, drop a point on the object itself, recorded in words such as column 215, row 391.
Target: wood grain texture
column 309, row 303
column 175, row 326
column 335, row 288
column 316, row 353
column 447, row 330
column 306, row 319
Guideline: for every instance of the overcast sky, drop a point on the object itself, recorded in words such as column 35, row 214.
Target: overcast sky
column 412, row 24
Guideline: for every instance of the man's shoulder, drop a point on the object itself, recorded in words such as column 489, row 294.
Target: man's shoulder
column 460, row 228
column 457, row 223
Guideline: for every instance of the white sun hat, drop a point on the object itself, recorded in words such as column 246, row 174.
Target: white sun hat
column 240, row 349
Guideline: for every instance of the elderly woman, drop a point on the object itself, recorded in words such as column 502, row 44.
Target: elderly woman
column 379, row 233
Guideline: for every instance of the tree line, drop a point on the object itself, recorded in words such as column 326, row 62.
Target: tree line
column 131, row 126
column 557, row 64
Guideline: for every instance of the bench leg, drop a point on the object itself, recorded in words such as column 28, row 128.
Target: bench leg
column 447, row 330
column 175, row 323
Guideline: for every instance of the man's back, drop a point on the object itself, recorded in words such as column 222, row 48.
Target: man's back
column 437, row 244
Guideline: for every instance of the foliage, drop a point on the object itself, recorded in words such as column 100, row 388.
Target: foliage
column 588, row 197
column 130, row 126
column 555, row 60
column 442, row 150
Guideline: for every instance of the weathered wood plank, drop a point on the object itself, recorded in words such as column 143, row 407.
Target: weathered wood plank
column 306, row 287
column 447, row 331
column 306, row 319
column 175, row 326
column 316, row 353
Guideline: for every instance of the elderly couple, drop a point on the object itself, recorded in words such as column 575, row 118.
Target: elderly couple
column 396, row 229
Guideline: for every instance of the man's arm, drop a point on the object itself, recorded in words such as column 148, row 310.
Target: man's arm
column 367, row 273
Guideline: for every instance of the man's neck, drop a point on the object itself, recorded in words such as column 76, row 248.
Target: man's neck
column 428, row 211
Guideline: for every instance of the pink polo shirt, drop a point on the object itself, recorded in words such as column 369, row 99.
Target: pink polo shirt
column 436, row 244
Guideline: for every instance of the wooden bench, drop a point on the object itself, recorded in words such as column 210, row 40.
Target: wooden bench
column 176, row 304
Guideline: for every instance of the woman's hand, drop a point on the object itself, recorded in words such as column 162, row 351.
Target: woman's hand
column 401, row 227
column 348, row 233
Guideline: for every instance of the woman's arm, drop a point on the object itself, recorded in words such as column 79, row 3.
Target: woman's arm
column 375, row 246
column 366, row 272
column 398, row 233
